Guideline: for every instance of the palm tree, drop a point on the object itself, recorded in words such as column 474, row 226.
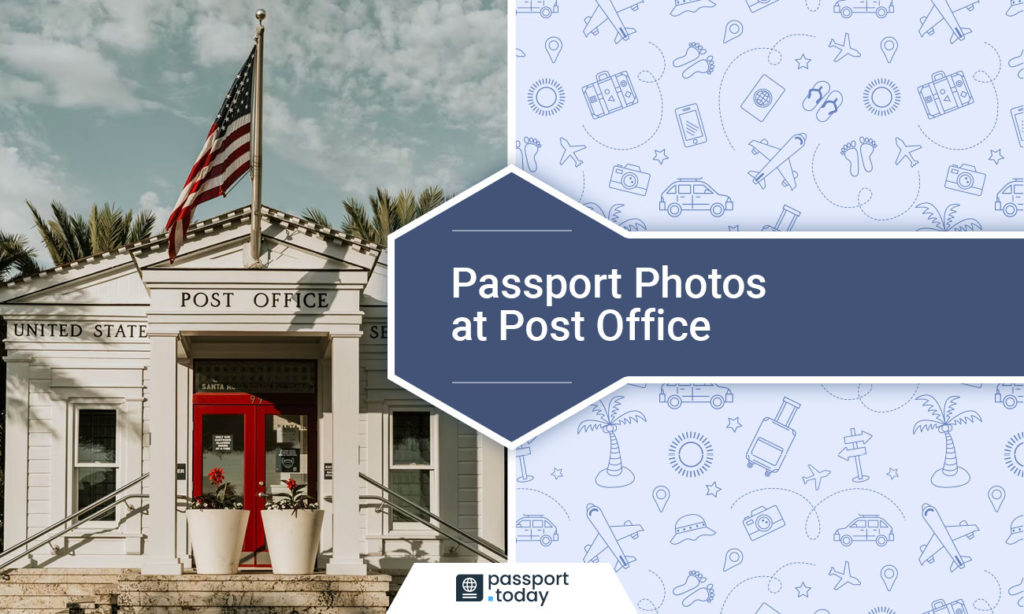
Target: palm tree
column 944, row 221
column 17, row 258
column 609, row 419
column 70, row 237
column 384, row 214
column 614, row 215
column 943, row 420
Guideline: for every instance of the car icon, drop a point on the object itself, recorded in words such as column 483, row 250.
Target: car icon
column 1010, row 198
column 536, row 528
column 544, row 7
column 846, row 8
column 1009, row 395
column 865, row 528
column 693, row 195
column 674, row 395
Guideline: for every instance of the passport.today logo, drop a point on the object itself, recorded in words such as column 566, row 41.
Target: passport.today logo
column 508, row 588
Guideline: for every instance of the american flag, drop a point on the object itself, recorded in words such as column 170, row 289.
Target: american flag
column 223, row 160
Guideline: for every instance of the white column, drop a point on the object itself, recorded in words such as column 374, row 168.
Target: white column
column 345, row 522
column 160, row 545
column 16, row 455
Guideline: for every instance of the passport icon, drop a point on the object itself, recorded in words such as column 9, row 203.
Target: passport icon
column 762, row 98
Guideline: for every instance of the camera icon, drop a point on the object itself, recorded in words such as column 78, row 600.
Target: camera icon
column 965, row 178
column 762, row 521
column 630, row 179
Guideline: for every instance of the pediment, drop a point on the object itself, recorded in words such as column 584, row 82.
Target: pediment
column 116, row 283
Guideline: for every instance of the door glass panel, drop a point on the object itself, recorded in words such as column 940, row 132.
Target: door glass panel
column 286, row 440
column 224, row 447
column 94, row 483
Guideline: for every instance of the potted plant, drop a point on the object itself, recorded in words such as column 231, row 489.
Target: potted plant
column 292, row 524
column 216, row 523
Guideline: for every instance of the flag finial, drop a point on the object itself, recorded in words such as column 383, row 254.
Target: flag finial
column 261, row 15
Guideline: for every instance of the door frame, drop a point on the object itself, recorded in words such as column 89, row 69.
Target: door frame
column 254, row 409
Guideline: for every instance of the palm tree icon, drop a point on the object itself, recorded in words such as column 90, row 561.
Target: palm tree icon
column 609, row 419
column 951, row 474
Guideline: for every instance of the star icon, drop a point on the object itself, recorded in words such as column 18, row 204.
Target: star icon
column 803, row 590
column 556, row 473
column 713, row 489
column 734, row 424
column 660, row 156
column 893, row 473
column 995, row 155
column 803, row 62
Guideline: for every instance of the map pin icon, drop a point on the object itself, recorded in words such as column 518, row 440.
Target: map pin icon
column 889, row 574
column 660, row 494
column 733, row 30
column 889, row 46
column 996, row 496
column 554, row 48
column 733, row 557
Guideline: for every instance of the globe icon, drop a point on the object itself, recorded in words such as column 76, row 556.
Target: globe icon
column 469, row 585
column 762, row 98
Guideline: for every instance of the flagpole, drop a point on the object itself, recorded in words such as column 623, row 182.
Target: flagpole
column 257, row 145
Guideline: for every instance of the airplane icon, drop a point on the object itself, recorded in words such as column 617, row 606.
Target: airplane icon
column 845, row 49
column 816, row 475
column 845, row 577
column 606, row 12
column 570, row 152
column 778, row 160
column 945, row 11
column 609, row 536
column 906, row 152
column 944, row 537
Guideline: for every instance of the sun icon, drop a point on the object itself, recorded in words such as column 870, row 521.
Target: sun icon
column 881, row 610
column 690, row 454
column 1013, row 454
column 882, row 97
column 545, row 96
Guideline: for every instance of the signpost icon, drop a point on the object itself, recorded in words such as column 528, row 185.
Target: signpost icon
column 855, row 446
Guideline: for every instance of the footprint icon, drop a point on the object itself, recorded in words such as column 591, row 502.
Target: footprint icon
column 527, row 153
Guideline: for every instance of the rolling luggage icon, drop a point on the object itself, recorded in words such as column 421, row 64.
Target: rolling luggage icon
column 773, row 439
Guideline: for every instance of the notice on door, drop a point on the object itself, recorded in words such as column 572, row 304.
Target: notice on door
column 287, row 460
column 223, row 443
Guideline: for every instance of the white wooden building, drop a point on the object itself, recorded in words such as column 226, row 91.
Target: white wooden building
column 124, row 364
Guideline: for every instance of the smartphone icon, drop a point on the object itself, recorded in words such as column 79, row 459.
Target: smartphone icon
column 1017, row 113
column 691, row 127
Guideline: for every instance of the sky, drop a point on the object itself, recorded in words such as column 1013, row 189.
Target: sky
column 111, row 100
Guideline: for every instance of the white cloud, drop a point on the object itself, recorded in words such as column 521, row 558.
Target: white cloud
column 69, row 75
column 150, row 201
column 26, row 179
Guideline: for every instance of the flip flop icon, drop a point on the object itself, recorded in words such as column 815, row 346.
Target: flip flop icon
column 829, row 106
column 816, row 94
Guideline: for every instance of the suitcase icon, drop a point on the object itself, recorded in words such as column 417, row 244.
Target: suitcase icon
column 941, row 607
column 773, row 439
column 945, row 94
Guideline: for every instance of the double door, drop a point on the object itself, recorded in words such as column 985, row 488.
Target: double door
column 259, row 443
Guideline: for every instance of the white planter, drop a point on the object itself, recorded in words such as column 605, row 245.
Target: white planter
column 293, row 538
column 217, row 537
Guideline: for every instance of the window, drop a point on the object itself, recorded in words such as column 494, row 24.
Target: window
column 412, row 469
column 96, row 458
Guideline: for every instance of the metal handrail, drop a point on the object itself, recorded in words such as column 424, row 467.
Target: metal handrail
column 483, row 543
column 100, row 508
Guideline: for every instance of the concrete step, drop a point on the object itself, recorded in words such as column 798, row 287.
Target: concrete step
column 297, row 598
column 249, row 610
column 280, row 583
column 58, row 588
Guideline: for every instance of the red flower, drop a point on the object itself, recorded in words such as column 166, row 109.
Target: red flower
column 216, row 476
column 291, row 484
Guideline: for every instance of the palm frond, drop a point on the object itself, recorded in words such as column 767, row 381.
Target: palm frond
column 965, row 417
column 141, row 227
column 589, row 425
column 933, row 406
column 926, row 425
column 50, row 238
column 630, row 417
column 948, row 406
column 933, row 214
column 17, row 258
column 318, row 217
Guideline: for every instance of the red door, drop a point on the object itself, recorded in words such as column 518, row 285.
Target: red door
column 259, row 442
